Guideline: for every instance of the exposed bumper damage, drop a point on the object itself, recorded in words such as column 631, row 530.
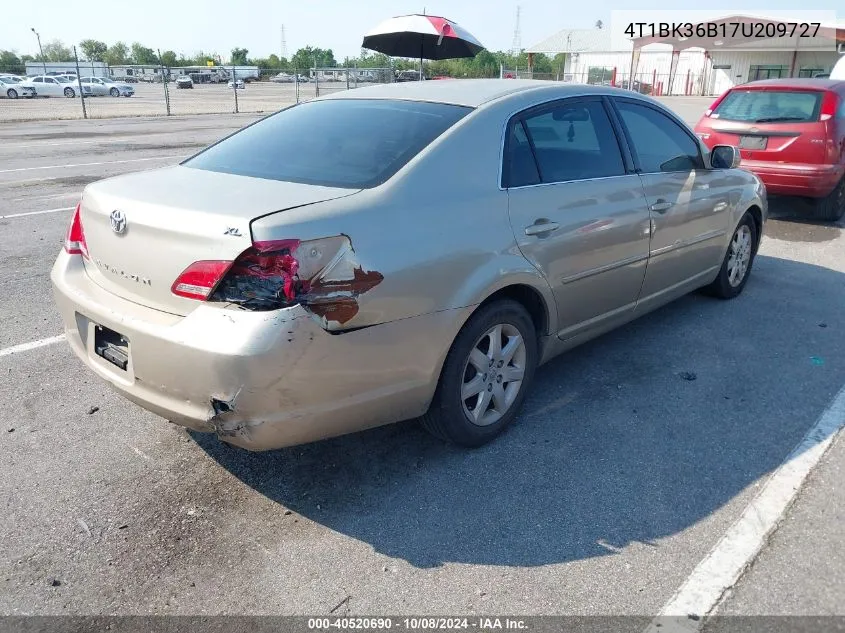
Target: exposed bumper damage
column 262, row 379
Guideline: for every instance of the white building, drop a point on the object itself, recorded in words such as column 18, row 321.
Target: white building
column 87, row 69
column 696, row 66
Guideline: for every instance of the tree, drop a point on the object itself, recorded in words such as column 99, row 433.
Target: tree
column 116, row 55
column 168, row 58
column 310, row 57
column 239, row 57
column 56, row 51
column 94, row 50
column 143, row 55
column 11, row 63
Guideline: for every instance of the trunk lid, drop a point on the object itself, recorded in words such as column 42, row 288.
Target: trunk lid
column 779, row 125
column 173, row 217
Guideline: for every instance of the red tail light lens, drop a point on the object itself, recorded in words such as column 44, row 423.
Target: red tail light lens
column 75, row 240
column 199, row 279
column 716, row 103
column 323, row 275
column 830, row 103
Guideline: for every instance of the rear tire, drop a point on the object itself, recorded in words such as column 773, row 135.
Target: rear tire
column 69, row 93
column 832, row 207
column 114, row 92
column 736, row 267
column 12, row 93
column 483, row 383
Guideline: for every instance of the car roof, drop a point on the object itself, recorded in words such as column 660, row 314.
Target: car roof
column 837, row 85
column 472, row 92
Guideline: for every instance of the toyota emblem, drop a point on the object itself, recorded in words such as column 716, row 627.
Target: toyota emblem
column 118, row 221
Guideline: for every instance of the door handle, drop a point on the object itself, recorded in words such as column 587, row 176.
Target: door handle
column 661, row 206
column 541, row 227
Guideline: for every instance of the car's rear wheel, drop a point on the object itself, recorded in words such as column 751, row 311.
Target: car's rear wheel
column 736, row 267
column 832, row 207
column 114, row 92
column 69, row 93
column 485, row 376
column 12, row 93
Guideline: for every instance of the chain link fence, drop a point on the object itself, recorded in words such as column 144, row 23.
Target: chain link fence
column 97, row 92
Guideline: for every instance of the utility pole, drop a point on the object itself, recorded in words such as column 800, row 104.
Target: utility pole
column 284, row 44
column 43, row 60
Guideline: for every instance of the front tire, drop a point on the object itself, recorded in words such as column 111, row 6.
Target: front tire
column 12, row 93
column 832, row 207
column 69, row 93
column 114, row 92
column 485, row 377
column 736, row 267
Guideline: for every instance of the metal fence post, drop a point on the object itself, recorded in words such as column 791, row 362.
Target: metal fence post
column 79, row 84
column 165, row 81
column 316, row 82
column 235, row 87
column 296, row 83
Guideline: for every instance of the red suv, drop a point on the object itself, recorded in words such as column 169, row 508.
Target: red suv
column 791, row 133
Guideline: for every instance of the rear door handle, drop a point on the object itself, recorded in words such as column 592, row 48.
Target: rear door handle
column 661, row 206
column 541, row 227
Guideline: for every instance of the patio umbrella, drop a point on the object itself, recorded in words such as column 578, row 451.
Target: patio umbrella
column 423, row 36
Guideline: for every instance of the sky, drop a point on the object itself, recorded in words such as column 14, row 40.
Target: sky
column 188, row 26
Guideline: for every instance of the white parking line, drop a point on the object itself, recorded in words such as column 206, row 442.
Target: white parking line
column 703, row 590
column 25, row 347
column 20, row 215
column 108, row 162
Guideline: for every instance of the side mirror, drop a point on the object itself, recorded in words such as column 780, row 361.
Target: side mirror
column 725, row 157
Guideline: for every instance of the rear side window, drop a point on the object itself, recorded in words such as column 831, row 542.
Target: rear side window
column 574, row 141
column 769, row 106
column 660, row 144
column 349, row 143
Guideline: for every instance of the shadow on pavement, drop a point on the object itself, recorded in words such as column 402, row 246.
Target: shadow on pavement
column 633, row 437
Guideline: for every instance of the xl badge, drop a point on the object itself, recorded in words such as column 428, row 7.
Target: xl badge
column 118, row 221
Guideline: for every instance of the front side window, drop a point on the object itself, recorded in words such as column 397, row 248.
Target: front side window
column 38, row 80
column 572, row 141
column 350, row 143
column 660, row 144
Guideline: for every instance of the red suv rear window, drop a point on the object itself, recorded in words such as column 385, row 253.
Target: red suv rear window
column 770, row 106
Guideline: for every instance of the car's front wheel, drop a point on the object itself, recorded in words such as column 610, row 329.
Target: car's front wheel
column 69, row 93
column 12, row 93
column 736, row 267
column 485, row 376
column 114, row 92
column 832, row 207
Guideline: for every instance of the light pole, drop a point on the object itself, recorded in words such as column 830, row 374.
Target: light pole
column 43, row 61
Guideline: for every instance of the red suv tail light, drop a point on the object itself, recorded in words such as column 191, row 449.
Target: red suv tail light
column 716, row 103
column 830, row 103
column 323, row 275
column 75, row 239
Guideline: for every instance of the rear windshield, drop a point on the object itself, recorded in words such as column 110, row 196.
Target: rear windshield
column 349, row 143
column 770, row 106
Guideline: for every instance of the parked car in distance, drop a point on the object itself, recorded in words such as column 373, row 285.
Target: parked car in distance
column 283, row 78
column 102, row 86
column 310, row 285
column 303, row 79
column 838, row 71
column 184, row 81
column 237, row 82
column 791, row 133
column 13, row 88
column 55, row 86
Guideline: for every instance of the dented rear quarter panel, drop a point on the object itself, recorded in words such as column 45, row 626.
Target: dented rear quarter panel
column 438, row 231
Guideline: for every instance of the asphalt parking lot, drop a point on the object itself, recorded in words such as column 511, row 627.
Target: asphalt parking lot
column 149, row 100
column 634, row 456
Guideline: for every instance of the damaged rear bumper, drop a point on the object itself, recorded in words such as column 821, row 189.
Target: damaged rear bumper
column 260, row 380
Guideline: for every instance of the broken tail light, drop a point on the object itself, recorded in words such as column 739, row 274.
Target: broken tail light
column 323, row 275
column 75, row 239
